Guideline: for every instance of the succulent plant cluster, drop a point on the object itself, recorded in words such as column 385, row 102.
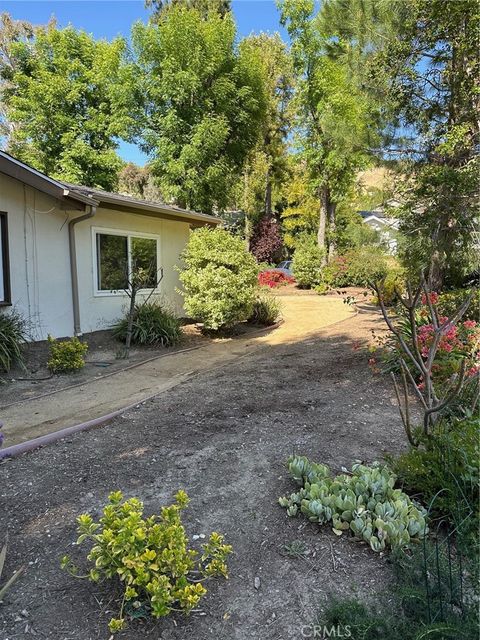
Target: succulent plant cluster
column 364, row 503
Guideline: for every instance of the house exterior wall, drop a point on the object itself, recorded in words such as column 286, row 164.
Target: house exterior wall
column 99, row 310
column 40, row 260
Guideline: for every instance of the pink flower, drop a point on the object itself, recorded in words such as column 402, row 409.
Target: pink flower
column 469, row 324
column 433, row 297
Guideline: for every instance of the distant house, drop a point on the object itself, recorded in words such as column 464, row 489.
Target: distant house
column 65, row 250
column 385, row 224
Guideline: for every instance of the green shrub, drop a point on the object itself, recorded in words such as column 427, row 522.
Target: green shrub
column 406, row 611
column 12, row 336
column 307, row 262
column 66, row 355
column 450, row 301
column 446, row 466
column 152, row 325
column 322, row 289
column 360, row 267
column 364, row 503
column 365, row 265
column 266, row 310
column 334, row 274
column 150, row 558
column 393, row 284
column 219, row 279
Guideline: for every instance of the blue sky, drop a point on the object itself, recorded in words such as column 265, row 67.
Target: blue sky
column 109, row 18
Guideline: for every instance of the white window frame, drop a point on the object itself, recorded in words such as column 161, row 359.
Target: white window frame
column 101, row 293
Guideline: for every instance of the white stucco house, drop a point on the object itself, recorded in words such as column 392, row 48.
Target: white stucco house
column 385, row 224
column 65, row 250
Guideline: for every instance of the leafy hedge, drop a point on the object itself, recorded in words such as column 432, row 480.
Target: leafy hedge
column 219, row 280
column 307, row 262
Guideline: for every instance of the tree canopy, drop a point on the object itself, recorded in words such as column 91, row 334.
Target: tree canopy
column 203, row 102
column 66, row 102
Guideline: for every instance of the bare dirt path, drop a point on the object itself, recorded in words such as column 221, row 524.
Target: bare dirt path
column 224, row 437
column 303, row 315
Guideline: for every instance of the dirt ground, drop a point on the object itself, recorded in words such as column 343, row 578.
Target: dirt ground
column 34, row 378
column 224, row 437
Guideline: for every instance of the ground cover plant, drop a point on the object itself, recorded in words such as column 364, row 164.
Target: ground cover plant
column 13, row 334
column 66, row 356
column 274, row 279
column 444, row 471
column 414, row 614
column 364, row 503
column 149, row 557
column 153, row 324
column 219, row 279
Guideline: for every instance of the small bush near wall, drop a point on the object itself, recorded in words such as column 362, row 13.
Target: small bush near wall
column 266, row 310
column 12, row 337
column 153, row 324
column 66, row 356
column 307, row 260
column 219, row 280
column 148, row 558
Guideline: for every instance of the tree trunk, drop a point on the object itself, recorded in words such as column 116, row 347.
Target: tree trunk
column 322, row 220
column 332, row 248
column 268, row 195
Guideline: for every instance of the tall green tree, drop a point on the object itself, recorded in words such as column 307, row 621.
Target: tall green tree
column 334, row 116
column 138, row 182
column 204, row 103
column 266, row 167
column 422, row 57
column 205, row 7
column 66, row 101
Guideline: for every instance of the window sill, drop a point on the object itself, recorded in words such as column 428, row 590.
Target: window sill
column 123, row 294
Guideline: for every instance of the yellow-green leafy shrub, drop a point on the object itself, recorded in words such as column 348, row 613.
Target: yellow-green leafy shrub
column 219, row 279
column 66, row 355
column 149, row 556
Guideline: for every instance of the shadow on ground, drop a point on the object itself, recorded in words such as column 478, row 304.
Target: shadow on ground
column 224, row 437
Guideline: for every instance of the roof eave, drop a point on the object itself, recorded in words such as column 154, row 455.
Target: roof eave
column 173, row 212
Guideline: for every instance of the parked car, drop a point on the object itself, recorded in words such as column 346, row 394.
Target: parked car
column 285, row 267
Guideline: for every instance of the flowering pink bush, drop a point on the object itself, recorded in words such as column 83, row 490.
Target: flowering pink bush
column 274, row 279
column 459, row 341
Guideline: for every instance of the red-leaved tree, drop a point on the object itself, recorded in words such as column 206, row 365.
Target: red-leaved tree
column 266, row 241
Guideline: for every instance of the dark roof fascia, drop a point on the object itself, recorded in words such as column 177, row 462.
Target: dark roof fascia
column 112, row 201
column 20, row 171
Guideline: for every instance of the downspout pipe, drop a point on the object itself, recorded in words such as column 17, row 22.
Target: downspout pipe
column 77, row 329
